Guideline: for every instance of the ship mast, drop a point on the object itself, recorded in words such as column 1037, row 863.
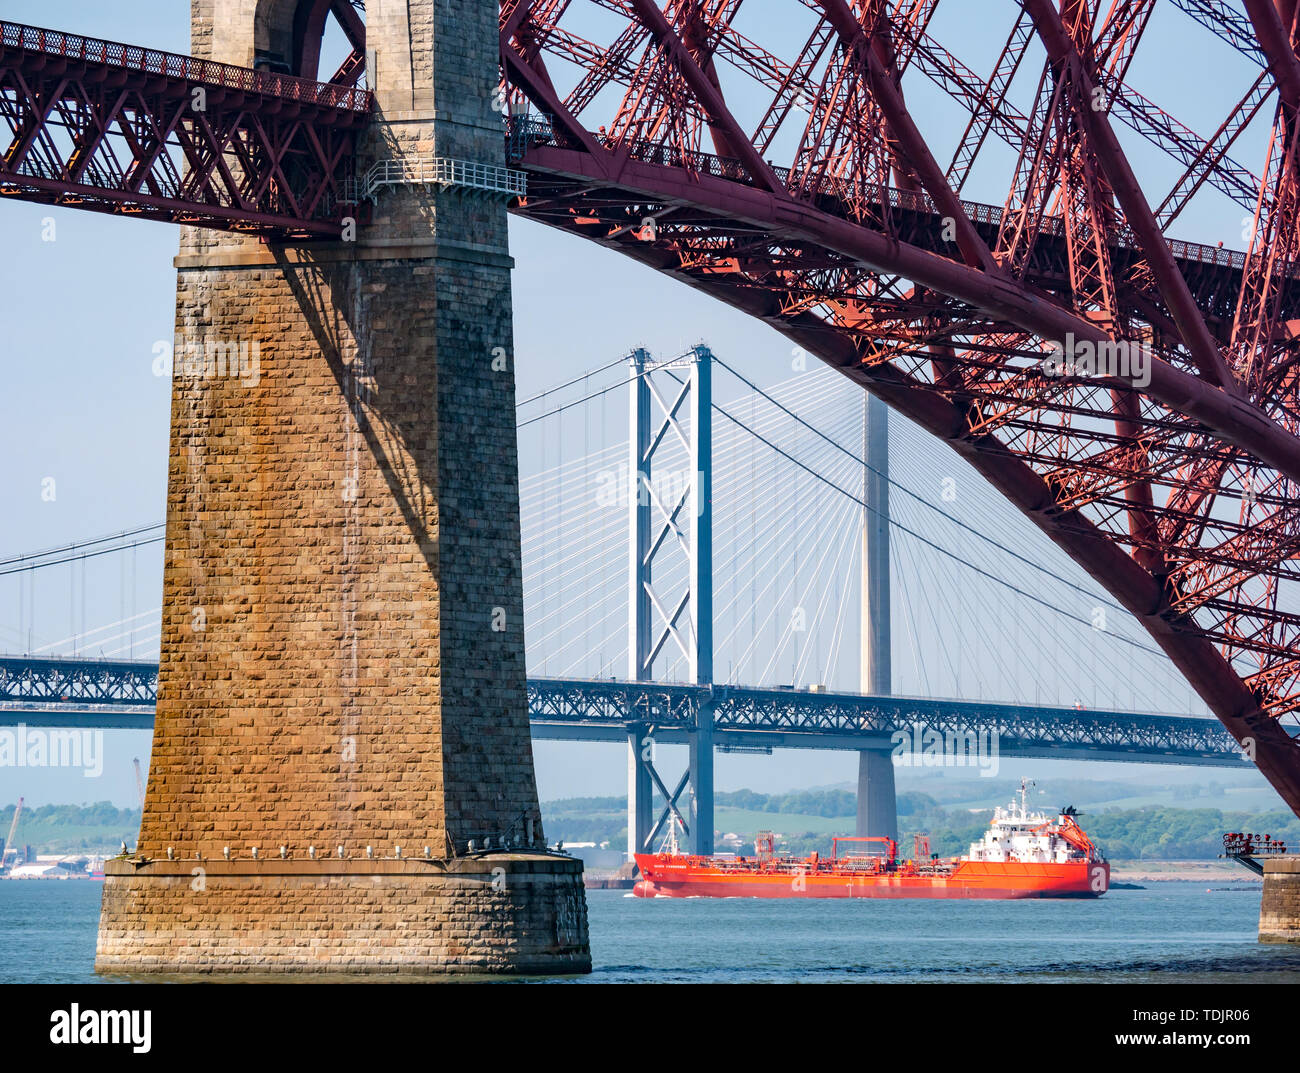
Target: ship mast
column 1024, row 792
column 672, row 835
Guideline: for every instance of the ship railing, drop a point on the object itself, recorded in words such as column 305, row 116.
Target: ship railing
column 789, row 866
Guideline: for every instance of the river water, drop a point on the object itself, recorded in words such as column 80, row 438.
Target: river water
column 1169, row 932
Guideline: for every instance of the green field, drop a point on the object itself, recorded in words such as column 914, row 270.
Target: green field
column 747, row 822
column 70, row 829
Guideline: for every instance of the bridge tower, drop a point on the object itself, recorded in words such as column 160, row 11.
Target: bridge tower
column 671, row 401
column 342, row 776
column 877, row 801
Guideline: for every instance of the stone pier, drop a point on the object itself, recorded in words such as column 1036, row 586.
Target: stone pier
column 1279, row 908
column 342, row 719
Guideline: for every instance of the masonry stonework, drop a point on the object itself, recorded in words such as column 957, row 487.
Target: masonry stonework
column 1279, row 906
column 342, row 707
column 344, row 917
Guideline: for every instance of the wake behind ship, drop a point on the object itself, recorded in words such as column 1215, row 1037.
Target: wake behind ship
column 1023, row 854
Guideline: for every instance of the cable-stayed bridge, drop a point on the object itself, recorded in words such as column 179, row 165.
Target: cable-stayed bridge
column 627, row 512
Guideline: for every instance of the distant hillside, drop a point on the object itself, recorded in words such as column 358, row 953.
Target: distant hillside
column 73, row 828
column 1165, row 834
column 807, row 820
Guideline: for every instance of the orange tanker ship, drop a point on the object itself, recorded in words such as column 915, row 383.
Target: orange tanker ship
column 1022, row 855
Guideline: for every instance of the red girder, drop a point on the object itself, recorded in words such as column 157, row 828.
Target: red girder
column 992, row 101
column 131, row 131
column 1176, row 494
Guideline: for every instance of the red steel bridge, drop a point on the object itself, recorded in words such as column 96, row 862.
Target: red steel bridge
column 828, row 212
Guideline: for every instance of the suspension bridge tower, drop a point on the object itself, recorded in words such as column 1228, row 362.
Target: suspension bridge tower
column 342, row 775
column 877, row 800
column 662, row 523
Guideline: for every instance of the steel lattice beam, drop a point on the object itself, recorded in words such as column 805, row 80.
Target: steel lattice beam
column 119, row 683
column 112, row 694
column 130, row 131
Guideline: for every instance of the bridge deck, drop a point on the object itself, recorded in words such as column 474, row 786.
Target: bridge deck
column 1213, row 273
column 116, row 694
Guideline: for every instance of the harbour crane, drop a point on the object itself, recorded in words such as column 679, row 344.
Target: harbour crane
column 8, row 846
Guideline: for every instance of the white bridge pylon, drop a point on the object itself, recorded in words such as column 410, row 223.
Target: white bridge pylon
column 670, row 416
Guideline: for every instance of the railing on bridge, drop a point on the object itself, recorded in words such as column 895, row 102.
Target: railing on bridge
column 442, row 171
column 172, row 65
column 1252, row 850
column 528, row 131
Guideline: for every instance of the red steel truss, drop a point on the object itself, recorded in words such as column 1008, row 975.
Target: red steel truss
column 125, row 130
column 826, row 212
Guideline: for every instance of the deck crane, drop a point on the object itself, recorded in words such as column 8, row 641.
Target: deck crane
column 8, row 846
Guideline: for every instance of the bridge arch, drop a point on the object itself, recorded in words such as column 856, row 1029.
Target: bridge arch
column 284, row 36
column 1150, row 482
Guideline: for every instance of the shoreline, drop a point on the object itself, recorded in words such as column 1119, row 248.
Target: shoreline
column 1213, row 871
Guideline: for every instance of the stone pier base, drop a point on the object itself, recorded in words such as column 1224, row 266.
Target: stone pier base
column 1279, row 909
column 517, row 913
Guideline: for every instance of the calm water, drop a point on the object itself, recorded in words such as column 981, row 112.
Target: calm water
column 1171, row 932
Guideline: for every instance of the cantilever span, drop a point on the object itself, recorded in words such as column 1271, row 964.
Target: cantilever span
column 107, row 694
column 778, row 168
column 1214, row 273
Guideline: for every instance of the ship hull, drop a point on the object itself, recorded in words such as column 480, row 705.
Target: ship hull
column 667, row 877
